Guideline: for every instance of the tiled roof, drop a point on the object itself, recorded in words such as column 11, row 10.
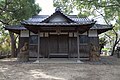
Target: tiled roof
column 59, row 19
column 58, row 24
column 96, row 27
column 81, row 20
column 37, row 19
column 66, row 19
column 15, row 27
column 101, row 26
column 40, row 18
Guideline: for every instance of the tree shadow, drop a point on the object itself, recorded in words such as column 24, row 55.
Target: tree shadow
column 105, row 60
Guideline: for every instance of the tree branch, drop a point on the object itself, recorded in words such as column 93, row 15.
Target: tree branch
column 108, row 36
column 115, row 5
column 115, row 32
column 4, row 8
column 6, row 23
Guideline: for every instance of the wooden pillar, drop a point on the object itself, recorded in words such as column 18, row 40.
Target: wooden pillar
column 38, row 55
column 68, row 46
column 78, row 57
column 38, row 44
column 78, row 47
column 49, row 45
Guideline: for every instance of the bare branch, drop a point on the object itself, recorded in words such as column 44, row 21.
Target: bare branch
column 4, row 8
column 108, row 36
column 102, row 16
column 7, row 2
column 4, row 22
column 116, row 20
column 106, row 21
column 115, row 32
column 112, row 5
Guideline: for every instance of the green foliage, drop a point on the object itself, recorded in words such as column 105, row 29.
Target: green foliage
column 108, row 9
column 88, row 7
column 4, row 41
column 65, row 5
column 11, row 13
column 83, row 6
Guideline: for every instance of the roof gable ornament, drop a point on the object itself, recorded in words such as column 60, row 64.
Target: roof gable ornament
column 57, row 9
column 58, row 17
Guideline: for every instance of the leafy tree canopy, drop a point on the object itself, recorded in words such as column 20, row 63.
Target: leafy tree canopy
column 88, row 7
column 108, row 9
column 11, row 13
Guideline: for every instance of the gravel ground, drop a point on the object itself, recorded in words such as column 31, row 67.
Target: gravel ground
column 108, row 68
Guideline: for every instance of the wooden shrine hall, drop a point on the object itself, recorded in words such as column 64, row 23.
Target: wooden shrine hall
column 58, row 35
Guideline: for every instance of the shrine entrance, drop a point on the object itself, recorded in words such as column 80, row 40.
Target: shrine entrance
column 58, row 45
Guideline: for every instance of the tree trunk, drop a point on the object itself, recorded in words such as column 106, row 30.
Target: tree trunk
column 13, row 44
column 113, row 49
column 114, row 45
column 100, row 49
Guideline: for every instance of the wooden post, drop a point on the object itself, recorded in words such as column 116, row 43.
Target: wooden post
column 38, row 55
column 78, row 47
column 49, row 45
column 68, row 47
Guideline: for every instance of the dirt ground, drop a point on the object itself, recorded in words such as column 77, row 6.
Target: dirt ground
column 108, row 68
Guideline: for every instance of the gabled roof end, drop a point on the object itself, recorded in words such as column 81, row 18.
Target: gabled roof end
column 57, row 9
